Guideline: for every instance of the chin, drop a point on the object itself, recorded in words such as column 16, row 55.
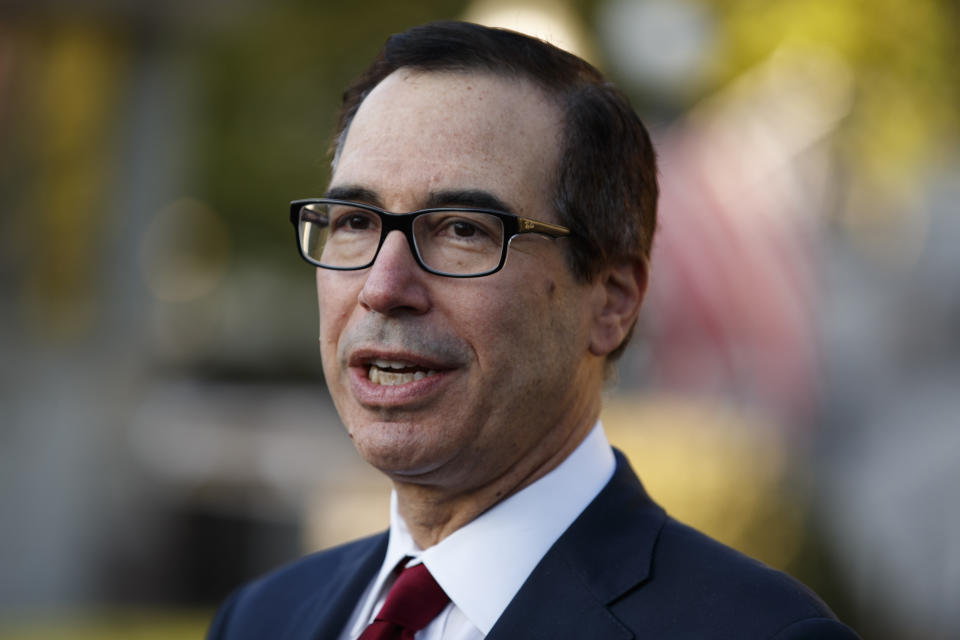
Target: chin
column 397, row 449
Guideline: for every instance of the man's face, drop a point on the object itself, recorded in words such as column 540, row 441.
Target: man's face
column 445, row 381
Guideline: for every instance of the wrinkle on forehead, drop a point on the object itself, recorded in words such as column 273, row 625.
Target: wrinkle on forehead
column 425, row 131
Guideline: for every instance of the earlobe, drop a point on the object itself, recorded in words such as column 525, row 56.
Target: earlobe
column 621, row 291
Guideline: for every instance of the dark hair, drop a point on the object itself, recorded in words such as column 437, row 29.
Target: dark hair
column 606, row 181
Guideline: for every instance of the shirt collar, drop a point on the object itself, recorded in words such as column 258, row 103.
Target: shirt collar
column 482, row 565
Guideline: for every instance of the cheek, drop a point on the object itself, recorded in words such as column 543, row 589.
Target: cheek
column 514, row 328
column 333, row 312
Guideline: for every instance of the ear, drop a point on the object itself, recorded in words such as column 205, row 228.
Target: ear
column 621, row 289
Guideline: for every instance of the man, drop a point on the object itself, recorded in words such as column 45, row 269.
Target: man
column 482, row 254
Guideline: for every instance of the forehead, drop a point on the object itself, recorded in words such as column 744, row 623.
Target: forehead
column 423, row 132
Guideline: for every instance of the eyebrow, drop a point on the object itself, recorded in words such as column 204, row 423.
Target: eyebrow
column 354, row 194
column 473, row 198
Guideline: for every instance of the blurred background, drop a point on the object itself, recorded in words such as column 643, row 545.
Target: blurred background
column 793, row 388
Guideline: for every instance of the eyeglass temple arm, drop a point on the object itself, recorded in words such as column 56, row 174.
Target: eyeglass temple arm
column 308, row 213
column 526, row 225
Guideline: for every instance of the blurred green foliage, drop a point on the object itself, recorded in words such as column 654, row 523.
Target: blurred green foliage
column 268, row 79
column 906, row 112
column 271, row 85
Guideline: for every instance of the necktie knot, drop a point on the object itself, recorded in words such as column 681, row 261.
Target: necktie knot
column 413, row 601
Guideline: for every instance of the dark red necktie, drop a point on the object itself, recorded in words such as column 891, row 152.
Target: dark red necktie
column 413, row 601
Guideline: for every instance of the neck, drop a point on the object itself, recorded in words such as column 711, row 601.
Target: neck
column 432, row 512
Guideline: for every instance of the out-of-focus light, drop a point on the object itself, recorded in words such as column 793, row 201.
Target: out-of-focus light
column 184, row 252
column 712, row 466
column 658, row 43
column 760, row 125
column 887, row 222
column 354, row 504
column 553, row 22
column 744, row 180
column 796, row 97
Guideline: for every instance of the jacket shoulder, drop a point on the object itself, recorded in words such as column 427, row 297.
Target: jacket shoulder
column 300, row 595
column 700, row 586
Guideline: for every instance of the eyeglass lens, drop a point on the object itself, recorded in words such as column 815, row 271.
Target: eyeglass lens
column 455, row 242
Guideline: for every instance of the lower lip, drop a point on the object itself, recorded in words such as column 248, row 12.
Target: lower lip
column 398, row 395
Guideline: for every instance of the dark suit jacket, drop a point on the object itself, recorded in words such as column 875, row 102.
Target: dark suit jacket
column 623, row 569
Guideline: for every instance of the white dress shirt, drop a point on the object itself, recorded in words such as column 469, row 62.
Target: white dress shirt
column 482, row 565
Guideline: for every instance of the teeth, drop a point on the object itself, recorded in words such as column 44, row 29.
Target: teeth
column 391, row 364
column 389, row 378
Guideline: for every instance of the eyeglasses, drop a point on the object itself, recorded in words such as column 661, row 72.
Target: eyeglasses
column 454, row 242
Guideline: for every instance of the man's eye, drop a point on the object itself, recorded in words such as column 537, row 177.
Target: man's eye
column 354, row 222
column 358, row 222
column 463, row 229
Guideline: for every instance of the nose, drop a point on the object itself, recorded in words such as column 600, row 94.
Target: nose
column 395, row 282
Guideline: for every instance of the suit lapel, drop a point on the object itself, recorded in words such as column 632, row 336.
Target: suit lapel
column 330, row 610
column 606, row 552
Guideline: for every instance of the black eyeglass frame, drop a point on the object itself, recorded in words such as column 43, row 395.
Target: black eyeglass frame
column 513, row 225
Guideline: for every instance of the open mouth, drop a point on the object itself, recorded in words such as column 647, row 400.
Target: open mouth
column 394, row 372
